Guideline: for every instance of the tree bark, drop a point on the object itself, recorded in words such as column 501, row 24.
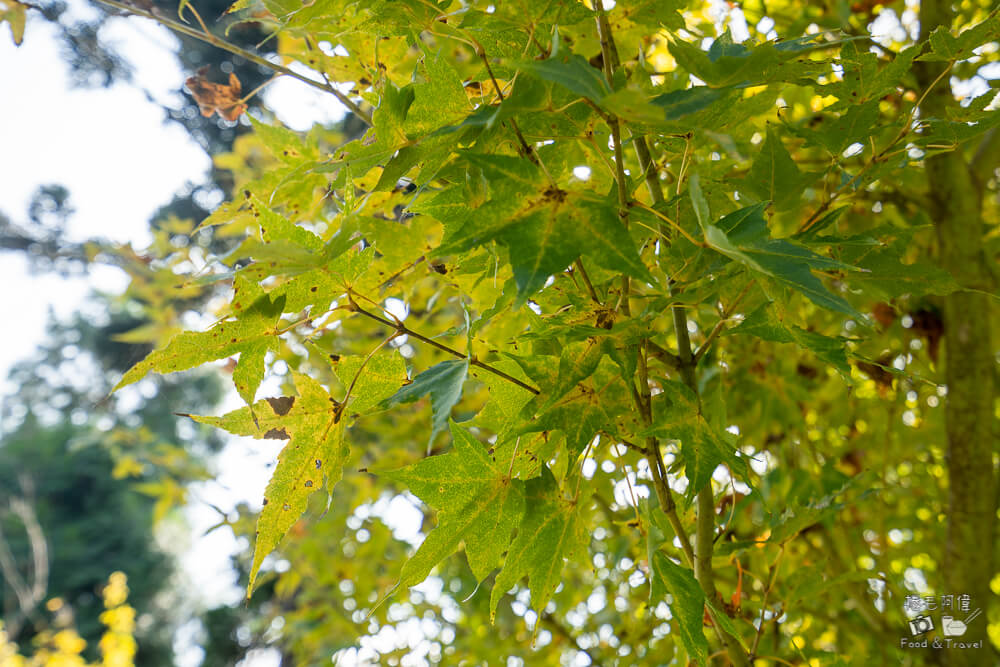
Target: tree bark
column 956, row 201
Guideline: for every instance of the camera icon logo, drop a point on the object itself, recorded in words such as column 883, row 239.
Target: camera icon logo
column 920, row 625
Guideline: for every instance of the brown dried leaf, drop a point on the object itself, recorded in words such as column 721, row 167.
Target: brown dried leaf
column 217, row 97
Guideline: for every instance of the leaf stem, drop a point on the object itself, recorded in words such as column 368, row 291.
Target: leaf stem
column 672, row 223
column 218, row 42
column 763, row 604
column 403, row 329
column 721, row 324
column 875, row 158
column 357, row 373
column 529, row 152
column 586, row 281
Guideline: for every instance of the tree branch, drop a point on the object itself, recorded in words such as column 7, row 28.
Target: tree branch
column 403, row 329
column 218, row 42
column 28, row 596
column 721, row 324
column 685, row 362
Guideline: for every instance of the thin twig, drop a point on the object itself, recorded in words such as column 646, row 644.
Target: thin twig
column 701, row 562
column 578, row 264
column 763, row 605
column 403, row 329
column 875, row 158
column 672, row 223
column 721, row 324
column 218, row 42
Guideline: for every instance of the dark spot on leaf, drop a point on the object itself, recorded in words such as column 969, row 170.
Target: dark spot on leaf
column 309, row 483
column 234, row 340
column 313, row 288
column 282, row 404
column 318, row 464
column 362, row 469
column 439, row 268
column 265, row 501
column 277, row 434
column 334, row 357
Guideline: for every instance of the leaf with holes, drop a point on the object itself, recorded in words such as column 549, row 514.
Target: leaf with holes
column 315, row 454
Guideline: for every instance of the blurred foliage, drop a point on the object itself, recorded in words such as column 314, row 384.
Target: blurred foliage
column 65, row 647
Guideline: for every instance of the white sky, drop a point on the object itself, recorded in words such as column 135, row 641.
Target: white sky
column 120, row 162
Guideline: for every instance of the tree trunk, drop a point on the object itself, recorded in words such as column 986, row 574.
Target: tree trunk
column 956, row 209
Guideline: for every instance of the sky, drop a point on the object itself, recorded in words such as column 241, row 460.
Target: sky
column 120, row 162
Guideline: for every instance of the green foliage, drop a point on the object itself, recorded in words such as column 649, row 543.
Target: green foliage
column 314, row 456
column 477, row 502
column 614, row 284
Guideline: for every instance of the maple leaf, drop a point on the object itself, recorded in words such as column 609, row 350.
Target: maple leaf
column 212, row 97
column 444, row 382
column 551, row 531
column 743, row 236
column 251, row 335
column 316, row 451
column 477, row 502
column 15, row 14
column 688, row 602
column 679, row 417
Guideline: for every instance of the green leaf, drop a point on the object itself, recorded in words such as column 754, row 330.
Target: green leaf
column 276, row 228
column 742, row 236
column 545, row 231
column 774, row 176
column 284, row 144
column 729, row 64
column 573, row 72
column 863, row 79
column 680, row 103
column 761, row 324
column 316, row 451
column 580, row 415
column 439, row 100
column 888, row 277
column 444, row 383
column 373, row 382
column 251, row 334
column 552, row 531
column 308, row 286
column 855, row 125
column 946, row 47
column 477, row 502
column 688, row 605
column 698, row 202
column 677, row 415
column 506, row 398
